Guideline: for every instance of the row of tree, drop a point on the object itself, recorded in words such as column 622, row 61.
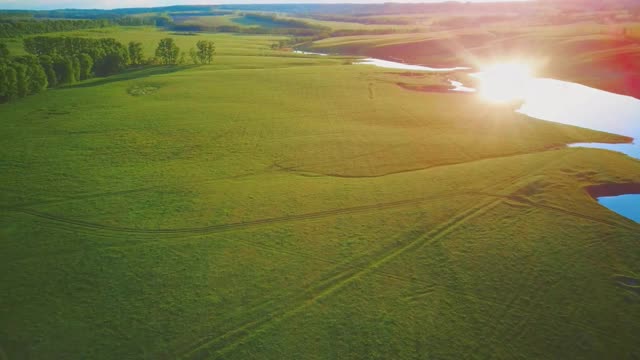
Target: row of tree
column 57, row 61
column 10, row 28
column 168, row 52
column 253, row 30
column 108, row 55
column 30, row 74
column 20, row 76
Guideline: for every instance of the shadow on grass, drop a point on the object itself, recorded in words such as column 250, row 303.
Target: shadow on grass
column 132, row 74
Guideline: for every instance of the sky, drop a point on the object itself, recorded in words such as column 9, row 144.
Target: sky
column 111, row 4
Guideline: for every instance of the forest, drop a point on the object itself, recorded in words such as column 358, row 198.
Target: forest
column 57, row 61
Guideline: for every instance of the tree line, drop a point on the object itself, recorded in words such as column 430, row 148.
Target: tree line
column 168, row 53
column 367, row 20
column 251, row 30
column 16, row 27
column 11, row 28
column 58, row 61
column 110, row 14
column 20, row 76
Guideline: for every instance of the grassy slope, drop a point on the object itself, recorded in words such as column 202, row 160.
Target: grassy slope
column 240, row 20
column 217, row 20
column 347, row 25
column 266, row 207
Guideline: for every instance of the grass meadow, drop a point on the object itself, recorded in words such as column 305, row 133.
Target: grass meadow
column 280, row 206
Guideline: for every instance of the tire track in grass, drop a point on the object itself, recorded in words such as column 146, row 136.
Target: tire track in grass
column 143, row 238
column 520, row 326
column 511, row 304
column 338, row 277
column 90, row 231
column 529, row 310
column 343, row 269
column 221, row 228
column 123, row 192
column 80, row 197
column 303, row 168
column 502, row 330
column 247, row 224
column 421, row 294
column 247, row 329
column 528, row 313
column 561, row 210
column 262, row 246
column 349, row 264
column 513, row 181
column 227, row 341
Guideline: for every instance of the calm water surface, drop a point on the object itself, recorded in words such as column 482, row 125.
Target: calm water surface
column 459, row 87
column 402, row 66
column 625, row 205
column 574, row 104
column 308, row 53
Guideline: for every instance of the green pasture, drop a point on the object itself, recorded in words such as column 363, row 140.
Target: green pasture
column 280, row 206
column 226, row 44
column 207, row 21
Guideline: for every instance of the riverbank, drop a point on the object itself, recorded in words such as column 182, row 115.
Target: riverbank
column 605, row 190
column 606, row 62
column 623, row 199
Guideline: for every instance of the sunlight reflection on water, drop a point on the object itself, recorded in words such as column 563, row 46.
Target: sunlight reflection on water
column 579, row 105
column 402, row 66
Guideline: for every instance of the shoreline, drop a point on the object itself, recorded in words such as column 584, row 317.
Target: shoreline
column 612, row 189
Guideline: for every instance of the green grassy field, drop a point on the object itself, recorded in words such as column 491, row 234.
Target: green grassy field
column 279, row 206
column 208, row 21
column 228, row 44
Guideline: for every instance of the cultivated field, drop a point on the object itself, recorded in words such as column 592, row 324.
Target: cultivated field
column 280, row 206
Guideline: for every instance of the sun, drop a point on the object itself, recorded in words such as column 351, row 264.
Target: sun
column 504, row 82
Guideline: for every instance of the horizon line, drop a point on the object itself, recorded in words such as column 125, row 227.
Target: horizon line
column 282, row 2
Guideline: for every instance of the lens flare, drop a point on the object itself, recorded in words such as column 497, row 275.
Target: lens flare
column 500, row 83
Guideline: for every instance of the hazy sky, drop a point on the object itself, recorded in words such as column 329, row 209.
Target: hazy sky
column 111, row 4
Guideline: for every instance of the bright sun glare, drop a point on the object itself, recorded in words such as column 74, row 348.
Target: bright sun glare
column 504, row 82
